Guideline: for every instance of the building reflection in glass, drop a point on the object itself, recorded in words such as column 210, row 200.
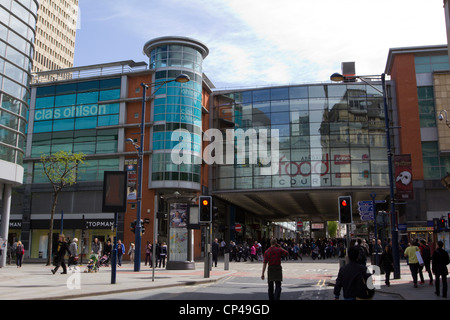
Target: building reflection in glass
column 329, row 136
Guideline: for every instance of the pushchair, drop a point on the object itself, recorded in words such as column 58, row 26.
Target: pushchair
column 93, row 264
column 104, row 261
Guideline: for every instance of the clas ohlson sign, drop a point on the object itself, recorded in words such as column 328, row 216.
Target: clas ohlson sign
column 70, row 112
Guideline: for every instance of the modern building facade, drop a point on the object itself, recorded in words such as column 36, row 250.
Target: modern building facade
column 293, row 149
column 55, row 35
column 93, row 110
column 330, row 141
column 17, row 34
column 421, row 76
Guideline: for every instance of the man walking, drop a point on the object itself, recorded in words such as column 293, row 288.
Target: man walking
column 272, row 257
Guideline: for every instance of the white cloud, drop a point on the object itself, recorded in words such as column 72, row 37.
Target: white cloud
column 269, row 42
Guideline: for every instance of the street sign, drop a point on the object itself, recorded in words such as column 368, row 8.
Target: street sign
column 366, row 210
column 237, row 227
column 299, row 224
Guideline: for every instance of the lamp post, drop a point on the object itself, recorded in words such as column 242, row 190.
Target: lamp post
column 182, row 78
column 394, row 231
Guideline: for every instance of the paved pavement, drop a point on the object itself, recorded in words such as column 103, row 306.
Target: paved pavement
column 36, row 281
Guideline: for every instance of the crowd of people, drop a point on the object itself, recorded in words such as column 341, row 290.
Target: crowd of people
column 254, row 250
column 101, row 254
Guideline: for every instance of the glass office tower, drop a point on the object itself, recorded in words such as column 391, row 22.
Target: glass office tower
column 17, row 33
column 176, row 106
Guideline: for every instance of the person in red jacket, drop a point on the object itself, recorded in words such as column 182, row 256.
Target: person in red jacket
column 272, row 257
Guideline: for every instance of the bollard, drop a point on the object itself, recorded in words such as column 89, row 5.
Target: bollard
column 226, row 260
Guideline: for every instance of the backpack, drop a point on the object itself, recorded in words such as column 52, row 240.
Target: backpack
column 365, row 289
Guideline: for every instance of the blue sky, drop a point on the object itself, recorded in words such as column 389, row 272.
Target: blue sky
column 262, row 42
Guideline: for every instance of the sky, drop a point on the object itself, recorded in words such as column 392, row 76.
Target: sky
column 262, row 42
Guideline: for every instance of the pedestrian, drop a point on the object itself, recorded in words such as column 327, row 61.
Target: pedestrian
column 425, row 252
column 363, row 252
column 215, row 251
column 387, row 263
column 253, row 250
column 20, row 250
column 348, row 276
column 162, row 255
column 61, row 249
column 96, row 250
column 120, row 252
column 413, row 261
column 440, row 260
column 131, row 252
column 272, row 258
column 148, row 254
column 73, row 249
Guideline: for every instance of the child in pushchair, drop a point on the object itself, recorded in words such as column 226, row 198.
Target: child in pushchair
column 93, row 264
column 104, row 261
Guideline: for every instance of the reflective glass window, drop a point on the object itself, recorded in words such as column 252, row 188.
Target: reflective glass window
column 87, row 97
column 85, row 123
column 109, row 94
column 63, row 125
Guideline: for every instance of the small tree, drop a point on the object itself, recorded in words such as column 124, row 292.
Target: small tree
column 61, row 170
column 332, row 228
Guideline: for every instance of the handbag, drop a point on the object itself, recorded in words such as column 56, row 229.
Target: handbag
column 419, row 258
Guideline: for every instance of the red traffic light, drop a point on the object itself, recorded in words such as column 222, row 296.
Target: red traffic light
column 205, row 202
column 344, row 203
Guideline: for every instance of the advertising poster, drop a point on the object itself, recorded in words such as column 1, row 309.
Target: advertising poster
column 403, row 177
column 178, row 235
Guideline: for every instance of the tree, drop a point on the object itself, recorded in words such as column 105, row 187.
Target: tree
column 61, row 170
column 332, row 228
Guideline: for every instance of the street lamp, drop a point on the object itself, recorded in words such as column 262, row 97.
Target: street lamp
column 395, row 252
column 182, row 78
column 441, row 117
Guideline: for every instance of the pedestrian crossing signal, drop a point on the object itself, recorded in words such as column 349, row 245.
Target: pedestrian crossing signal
column 345, row 209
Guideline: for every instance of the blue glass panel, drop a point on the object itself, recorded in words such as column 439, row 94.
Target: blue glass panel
column 45, row 102
column 63, row 125
column 109, row 108
column 158, row 145
column 279, row 93
column 279, row 117
column 159, row 109
column 110, row 83
column 66, row 88
column 45, row 91
column 158, row 136
column 173, row 117
column 261, row 95
column 65, row 100
column 298, row 92
column 109, row 94
column 88, row 86
column 85, row 123
column 108, row 120
column 159, row 117
column 42, row 126
column 87, row 97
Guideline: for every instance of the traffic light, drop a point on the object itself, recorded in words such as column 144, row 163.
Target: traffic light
column 142, row 227
column 133, row 226
column 205, row 209
column 442, row 224
column 345, row 209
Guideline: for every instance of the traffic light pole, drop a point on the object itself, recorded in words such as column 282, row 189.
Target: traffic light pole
column 207, row 250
